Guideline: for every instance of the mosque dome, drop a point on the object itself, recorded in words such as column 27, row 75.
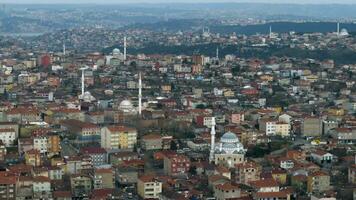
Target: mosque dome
column 229, row 144
column 344, row 32
column 126, row 106
column 87, row 97
column 229, row 137
column 116, row 51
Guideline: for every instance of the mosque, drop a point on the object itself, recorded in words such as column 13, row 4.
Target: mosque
column 229, row 151
column 126, row 105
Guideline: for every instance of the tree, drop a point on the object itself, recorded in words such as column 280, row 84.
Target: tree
column 193, row 170
column 174, row 145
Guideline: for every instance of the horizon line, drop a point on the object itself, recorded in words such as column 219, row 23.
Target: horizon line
column 167, row 3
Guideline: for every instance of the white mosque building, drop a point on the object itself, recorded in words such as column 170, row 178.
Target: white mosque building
column 85, row 95
column 126, row 105
column 229, row 151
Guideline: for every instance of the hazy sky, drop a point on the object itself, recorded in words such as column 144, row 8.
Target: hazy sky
column 178, row 1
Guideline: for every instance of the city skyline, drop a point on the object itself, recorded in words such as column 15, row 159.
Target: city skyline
column 176, row 1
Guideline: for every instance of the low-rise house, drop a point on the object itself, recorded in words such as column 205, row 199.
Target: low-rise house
column 148, row 187
column 321, row 157
column 227, row 191
column 265, row 185
column 286, row 163
column 151, row 142
column 247, row 172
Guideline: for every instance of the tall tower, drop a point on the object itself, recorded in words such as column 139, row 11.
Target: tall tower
column 338, row 29
column 64, row 49
column 212, row 146
column 270, row 31
column 140, row 94
column 125, row 46
column 83, row 79
column 217, row 53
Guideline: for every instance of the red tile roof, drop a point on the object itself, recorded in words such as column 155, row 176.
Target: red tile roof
column 264, row 183
column 62, row 194
column 227, row 186
column 93, row 150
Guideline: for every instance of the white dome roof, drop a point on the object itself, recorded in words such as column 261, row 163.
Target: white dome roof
column 87, row 97
column 344, row 32
column 229, row 137
column 126, row 104
column 116, row 51
column 229, row 144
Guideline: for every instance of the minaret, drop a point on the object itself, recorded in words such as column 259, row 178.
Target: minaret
column 125, row 46
column 64, row 49
column 270, row 31
column 212, row 145
column 217, row 53
column 83, row 79
column 140, row 94
column 338, row 29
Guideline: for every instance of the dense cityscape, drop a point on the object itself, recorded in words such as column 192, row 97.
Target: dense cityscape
column 158, row 102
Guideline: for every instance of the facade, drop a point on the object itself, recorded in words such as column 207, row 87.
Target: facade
column 41, row 187
column 8, row 187
column 318, row 181
column 40, row 143
column 81, row 185
column 98, row 155
column 322, row 157
column 2, row 151
column 126, row 175
column 282, row 129
column 311, row 127
column 247, row 172
column 352, row 174
column 175, row 164
column 53, row 145
column 229, row 151
column 151, row 142
column 10, row 125
column 227, row 191
column 103, row 178
column 148, row 187
column 265, row 185
column 344, row 135
column 118, row 137
column 33, row 157
column 84, row 131
column 237, row 118
column 8, row 136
